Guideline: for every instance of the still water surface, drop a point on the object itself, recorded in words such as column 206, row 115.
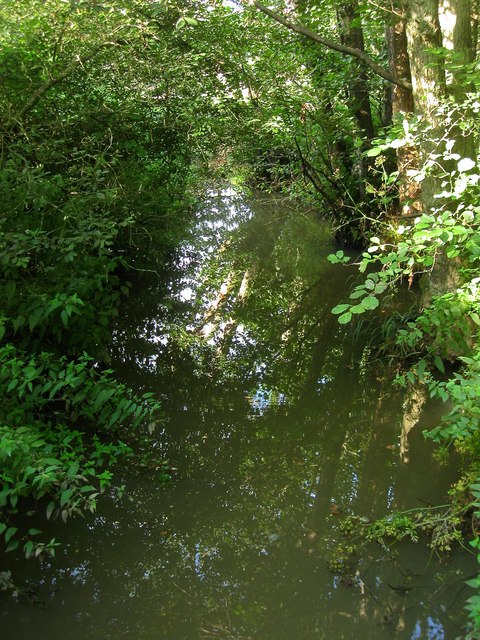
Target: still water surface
column 276, row 425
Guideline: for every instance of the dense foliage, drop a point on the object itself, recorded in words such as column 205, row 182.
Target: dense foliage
column 110, row 111
column 92, row 175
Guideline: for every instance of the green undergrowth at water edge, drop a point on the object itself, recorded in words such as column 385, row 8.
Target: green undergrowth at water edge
column 94, row 180
column 59, row 436
column 473, row 605
column 443, row 524
column 61, row 238
column 437, row 253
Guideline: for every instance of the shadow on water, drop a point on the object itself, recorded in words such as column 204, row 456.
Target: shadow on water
column 278, row 426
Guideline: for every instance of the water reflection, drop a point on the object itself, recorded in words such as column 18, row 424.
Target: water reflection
column 278, row 427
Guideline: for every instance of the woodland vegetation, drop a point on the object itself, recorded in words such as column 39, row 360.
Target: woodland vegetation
column 113, row 111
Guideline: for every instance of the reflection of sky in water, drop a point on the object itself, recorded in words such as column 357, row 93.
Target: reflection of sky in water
column 390, row 497
column 434, row 631
column 221, row 213
column 263, row 399
column 214, row 223
column 317, row 483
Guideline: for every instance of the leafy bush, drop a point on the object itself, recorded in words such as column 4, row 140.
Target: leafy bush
column 91, row 177
column 439, row 248
column 55, row 420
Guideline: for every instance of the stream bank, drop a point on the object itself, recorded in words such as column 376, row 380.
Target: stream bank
column 276, row 425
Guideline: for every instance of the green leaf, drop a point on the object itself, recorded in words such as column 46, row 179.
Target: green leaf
column 421, row 369
column 13, row 384
column 358, row 293
column 12, row 546
column 11, row 531
column 475, row 317
column 65, row 497
column 370, row 302
column 340, row 308
column 50, row 509
column 103, row 396
column 345, row 318
column 373, row 152
column 380, row 287
column 358, row 308
column 439, row 364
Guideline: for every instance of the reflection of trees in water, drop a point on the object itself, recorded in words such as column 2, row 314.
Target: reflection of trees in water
column 274, row 303
column 264, row 526
column 263, row 484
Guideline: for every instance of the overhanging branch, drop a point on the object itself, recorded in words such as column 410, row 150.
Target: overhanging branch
column 350, row 51
column 79, row 61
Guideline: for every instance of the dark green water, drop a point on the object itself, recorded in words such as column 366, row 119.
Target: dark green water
column 277, row 425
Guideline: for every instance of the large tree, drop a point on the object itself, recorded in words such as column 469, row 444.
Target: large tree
column 422, row 78
column 414, row 37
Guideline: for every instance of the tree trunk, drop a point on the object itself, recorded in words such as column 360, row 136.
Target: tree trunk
column 409, row 191
column 428, row 78
column 456, row 24
column 474, row 27
column 352, row 35
column 424, row 39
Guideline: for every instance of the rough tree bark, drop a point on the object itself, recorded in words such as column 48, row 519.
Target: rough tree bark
column 409, row 191
column 429, row 83
column 351, row 35
column 416, row 42
column 349, row 19
column 456, row 25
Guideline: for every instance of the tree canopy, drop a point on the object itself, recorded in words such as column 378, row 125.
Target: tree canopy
column 111, row 116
